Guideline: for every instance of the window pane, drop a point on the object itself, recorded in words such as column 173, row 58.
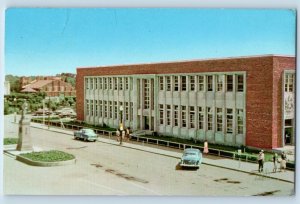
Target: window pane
column 229, row 82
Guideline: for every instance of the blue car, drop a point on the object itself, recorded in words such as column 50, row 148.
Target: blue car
column 86, row 135
column 191, row 158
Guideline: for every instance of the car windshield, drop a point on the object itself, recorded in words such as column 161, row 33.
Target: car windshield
column 89, row 131
column 190, row 154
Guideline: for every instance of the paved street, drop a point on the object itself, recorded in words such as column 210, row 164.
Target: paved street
column 107, row 169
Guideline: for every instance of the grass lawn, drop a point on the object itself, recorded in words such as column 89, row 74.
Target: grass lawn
column 49, row 156
column 9, row 141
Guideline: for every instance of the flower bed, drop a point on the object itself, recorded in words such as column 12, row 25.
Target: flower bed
column 48, row 156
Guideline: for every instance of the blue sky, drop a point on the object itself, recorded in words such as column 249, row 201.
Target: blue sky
column 51, row 41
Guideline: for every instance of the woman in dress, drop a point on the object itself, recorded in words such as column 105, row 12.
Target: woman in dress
column 205, row 150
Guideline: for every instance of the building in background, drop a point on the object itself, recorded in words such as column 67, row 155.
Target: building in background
column 233, row 101
column 53, row 87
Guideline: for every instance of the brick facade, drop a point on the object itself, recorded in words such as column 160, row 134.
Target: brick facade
column 263, row 91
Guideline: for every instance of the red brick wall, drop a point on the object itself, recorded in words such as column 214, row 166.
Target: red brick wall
column 263, row 97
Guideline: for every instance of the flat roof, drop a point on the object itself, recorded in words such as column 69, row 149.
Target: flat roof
column 191, row 60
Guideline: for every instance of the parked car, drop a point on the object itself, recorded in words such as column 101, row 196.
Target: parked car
column 191, row 158
column 41, row 112
column 86, row 135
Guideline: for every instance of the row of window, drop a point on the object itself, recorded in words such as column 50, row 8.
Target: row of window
column 109, row 109
column 289, row 82
column 185, row 116
column 211, row 82
column 111, row 83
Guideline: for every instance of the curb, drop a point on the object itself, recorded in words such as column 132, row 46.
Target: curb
column 233, row 169
column 44, row 164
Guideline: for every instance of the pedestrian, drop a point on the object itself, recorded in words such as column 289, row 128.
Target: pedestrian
column 123, row 134
column 275, row 160
column 261, row 158
column 128, row 133
column 205, row 149
column 118, row 135
column 283, row 162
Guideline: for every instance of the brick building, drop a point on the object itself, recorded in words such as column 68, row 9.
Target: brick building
column 233, row 101
column 52, row 87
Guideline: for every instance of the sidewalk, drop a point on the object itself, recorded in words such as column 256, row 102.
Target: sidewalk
column 246, row 167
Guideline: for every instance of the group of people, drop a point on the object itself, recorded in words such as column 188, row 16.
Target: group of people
column 123, row 135
column 275, row 159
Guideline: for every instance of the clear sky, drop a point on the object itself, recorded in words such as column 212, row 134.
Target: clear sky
column 51, row 41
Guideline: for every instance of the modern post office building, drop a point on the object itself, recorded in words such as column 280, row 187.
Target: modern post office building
column 233, row 101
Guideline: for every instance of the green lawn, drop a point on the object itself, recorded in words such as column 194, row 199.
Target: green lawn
column 9, row 141
column 49, row 156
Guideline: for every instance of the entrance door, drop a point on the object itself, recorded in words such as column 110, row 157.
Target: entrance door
column 288, row 133
column 146, row 123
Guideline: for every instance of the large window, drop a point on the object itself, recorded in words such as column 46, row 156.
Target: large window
column 110, row 83
column 86, row 83
column 116, row 109
column 176, row 83
column 183, row 83
column 176, row 116
column 105, row 109
column 96, row 108
column 240, row 83
column 96, row 83
column 161, row 83
column 92, row 107
column 209, row 82
column 146, row 93
column 168, row 79
column 126, row 111
column 100, row 109
column 126, row 83
column 105, row 83
column 183, row 116
column 100, row 83
column 169, row 118
column 92, row 83
column 219, row 120
column 201, row 83
column 110, row 109
column 229, row 120
column 220, row 81
column 87, row 107
column 192, row 83
column 115, row 83
column 240, row 121
column 200, row 118
column 209, row 118
column 120, row 83
column 289, row 82
column 229, row 83
column 161, row 114
column 192, row 117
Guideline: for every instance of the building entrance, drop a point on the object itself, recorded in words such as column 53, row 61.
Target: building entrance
column 146, row 123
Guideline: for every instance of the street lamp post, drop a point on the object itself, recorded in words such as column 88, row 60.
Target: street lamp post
column 121, row 124
column 15, row 114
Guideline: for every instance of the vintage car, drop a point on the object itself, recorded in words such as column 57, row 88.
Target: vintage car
column 86, row 135
column 191, row 158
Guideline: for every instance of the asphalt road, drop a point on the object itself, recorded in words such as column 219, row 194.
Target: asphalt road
column 105, row 169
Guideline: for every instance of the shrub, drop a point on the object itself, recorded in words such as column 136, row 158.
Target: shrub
column 9, row 141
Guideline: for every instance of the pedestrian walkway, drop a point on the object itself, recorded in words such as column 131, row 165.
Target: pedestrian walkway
column 246, row 167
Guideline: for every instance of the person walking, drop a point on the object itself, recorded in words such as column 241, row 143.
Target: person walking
column 205, row 149
column 123, row 135
column 127, row 134
column 275, row 159
column 118, row 135
column 261, row 158
column 283, row 162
